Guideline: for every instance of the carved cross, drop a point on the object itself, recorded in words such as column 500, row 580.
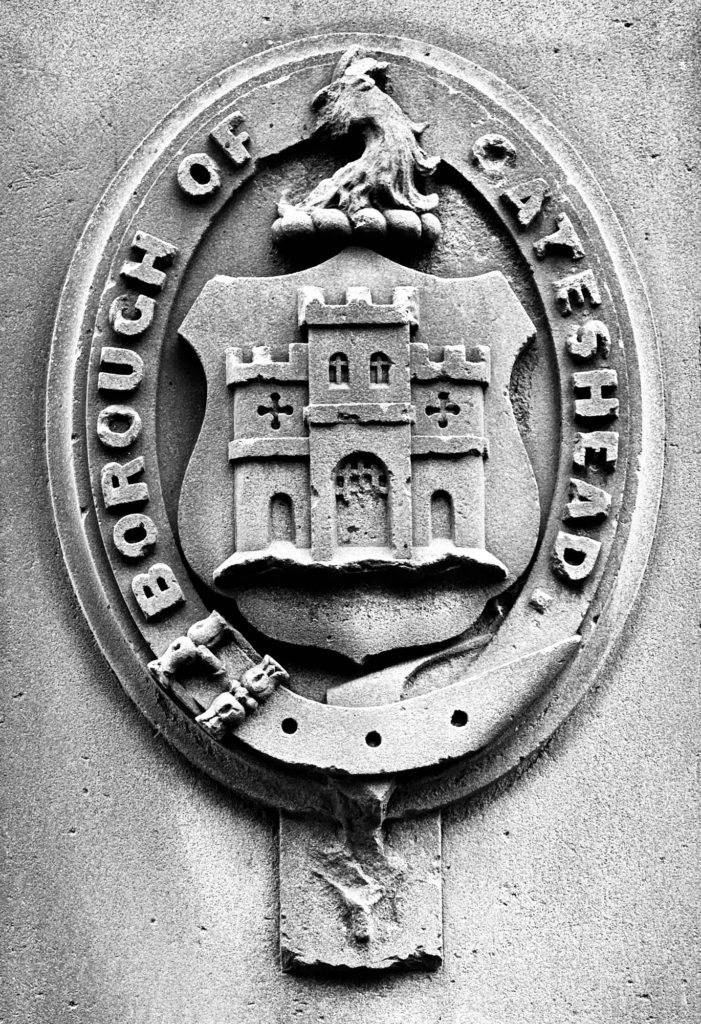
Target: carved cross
column 338, row 369
column 444, row 409
column 380, row 366
column 275, row 410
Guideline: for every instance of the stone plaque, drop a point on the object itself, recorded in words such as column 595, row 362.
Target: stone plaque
column 355, row 531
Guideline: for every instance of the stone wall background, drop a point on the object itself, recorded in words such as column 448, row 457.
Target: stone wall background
column 139, row 891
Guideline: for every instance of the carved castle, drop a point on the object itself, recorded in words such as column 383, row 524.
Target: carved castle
column 358, row 450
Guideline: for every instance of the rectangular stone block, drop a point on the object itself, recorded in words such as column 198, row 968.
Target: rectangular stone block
column 344, row 908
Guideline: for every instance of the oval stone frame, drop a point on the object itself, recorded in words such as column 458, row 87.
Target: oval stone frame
column 539, row 666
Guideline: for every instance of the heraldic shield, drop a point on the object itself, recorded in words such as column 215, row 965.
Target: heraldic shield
column 359, row 483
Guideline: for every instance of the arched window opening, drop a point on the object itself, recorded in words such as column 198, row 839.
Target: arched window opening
column 338, row 369
column 362, row 493
column 442, row 517
column 282, row 519
column 380, row 365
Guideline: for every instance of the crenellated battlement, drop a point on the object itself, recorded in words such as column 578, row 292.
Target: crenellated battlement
column 262, row 366
column 458, row 363
column 358, row 309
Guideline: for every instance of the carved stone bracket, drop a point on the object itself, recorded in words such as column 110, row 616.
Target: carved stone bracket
column 357, row 892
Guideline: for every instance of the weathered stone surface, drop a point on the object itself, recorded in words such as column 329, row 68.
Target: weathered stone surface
column 569, row 890
column 359, row 894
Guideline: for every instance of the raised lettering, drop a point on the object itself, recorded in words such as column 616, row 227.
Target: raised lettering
column 117, row 485
column 198, row 175
column 563, row 242
column 591, row 339
column 586, row 501
column 120, row 380
column 232, row 142
column 596, row 404
column 107, row 420
column 600, row 446
column 574, row 288
column 526, row 200
column 492, row 153
column 574, row 556
column 134, row 535
column 121, row 314
column 157, row 590
column 154, row 250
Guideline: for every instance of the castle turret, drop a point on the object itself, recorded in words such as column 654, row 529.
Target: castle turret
column 270, row 450
column 448, row 446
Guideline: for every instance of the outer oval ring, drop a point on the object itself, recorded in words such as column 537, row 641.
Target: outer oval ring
column 93, row 590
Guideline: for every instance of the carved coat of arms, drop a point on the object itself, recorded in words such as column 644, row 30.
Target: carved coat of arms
column 343, row 483
column 373, row 455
